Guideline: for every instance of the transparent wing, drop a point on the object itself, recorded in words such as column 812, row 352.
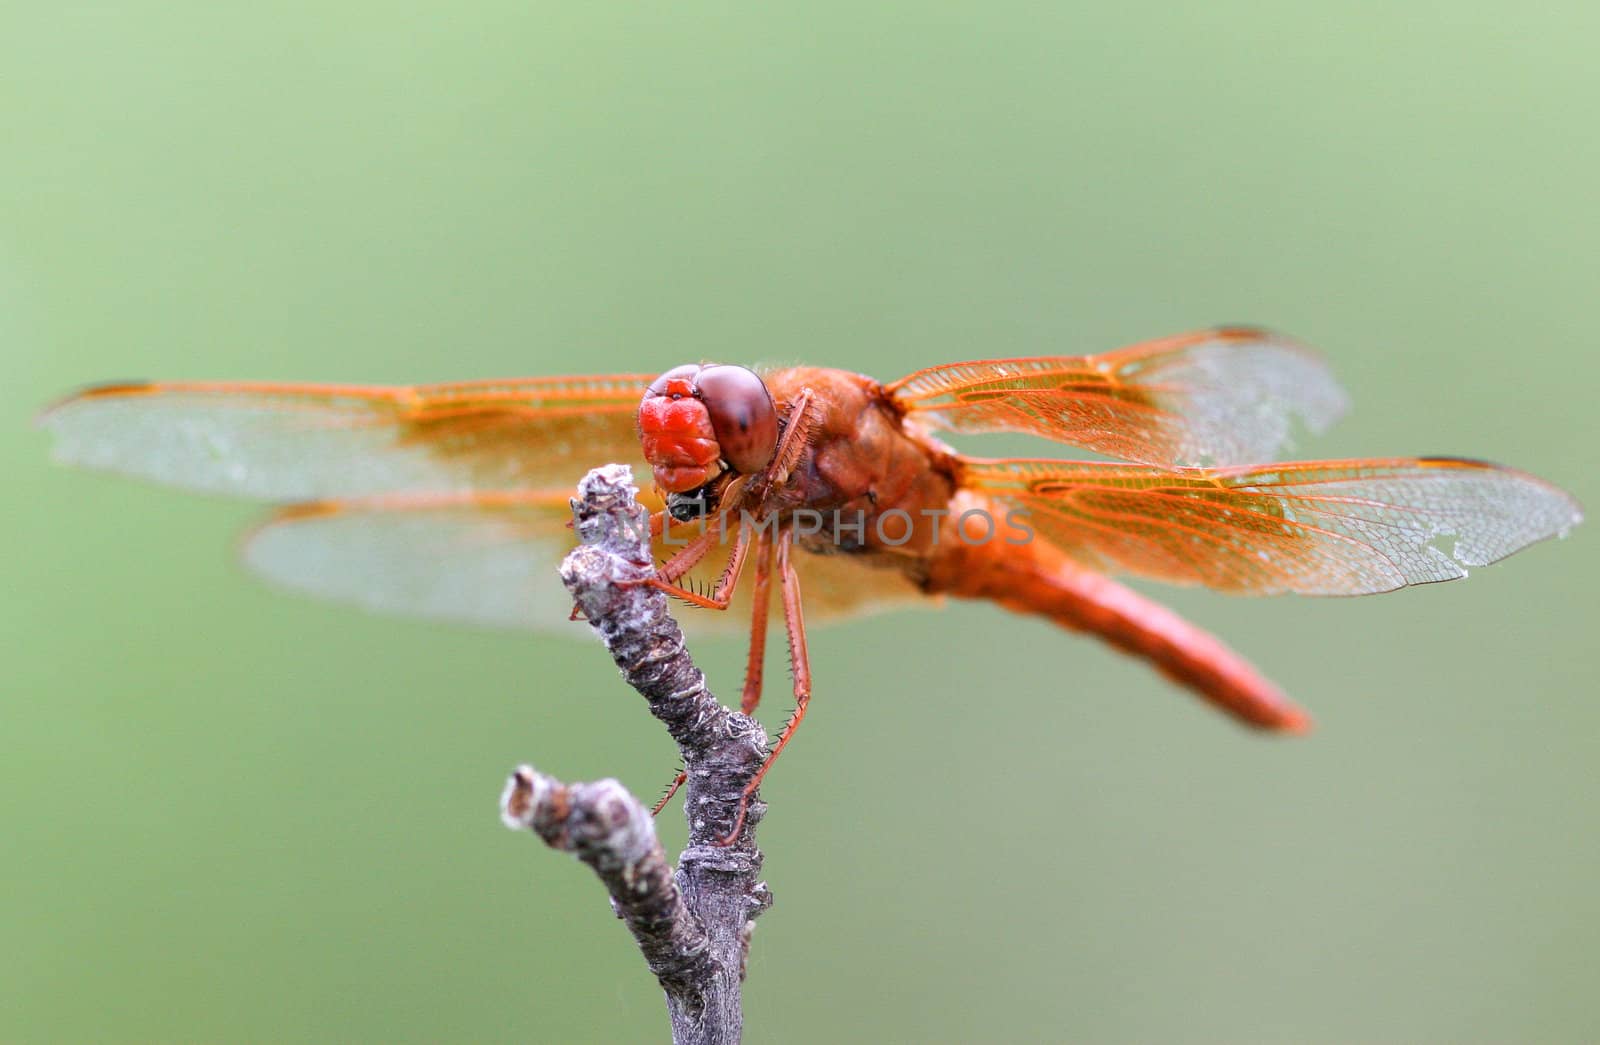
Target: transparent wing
column 1316, row 528
column 484, row 559
column 1227, row 396
column 289, row 442
column 490, row 559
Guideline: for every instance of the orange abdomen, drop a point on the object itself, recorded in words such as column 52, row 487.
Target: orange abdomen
column 1036, row 578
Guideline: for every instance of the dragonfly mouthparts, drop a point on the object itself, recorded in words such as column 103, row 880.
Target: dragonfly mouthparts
column 693, row 504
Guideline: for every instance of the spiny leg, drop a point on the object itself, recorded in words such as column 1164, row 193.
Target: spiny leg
column 672, row 789
column 762, row 598
column 795, row 624
column 689, row 556
column 722, row 594
column 691, row 552
column 797, row 426
column 719, row 600
column 796, row 437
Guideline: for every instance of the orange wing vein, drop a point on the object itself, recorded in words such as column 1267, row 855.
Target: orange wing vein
column 1222, row 397
column 300, row 441
column 1316, row 527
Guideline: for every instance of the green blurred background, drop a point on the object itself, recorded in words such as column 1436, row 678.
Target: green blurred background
column 232, row 815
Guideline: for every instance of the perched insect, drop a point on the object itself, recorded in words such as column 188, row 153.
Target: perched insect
column 451, row 500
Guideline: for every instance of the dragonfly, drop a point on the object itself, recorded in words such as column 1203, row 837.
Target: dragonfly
column 452, row 501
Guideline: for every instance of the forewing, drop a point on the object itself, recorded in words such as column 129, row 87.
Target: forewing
column 490, row 559
column 1316, row 528
column 289, row 442
column 1217, row 397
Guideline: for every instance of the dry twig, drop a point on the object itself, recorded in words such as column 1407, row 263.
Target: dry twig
column 693, row 925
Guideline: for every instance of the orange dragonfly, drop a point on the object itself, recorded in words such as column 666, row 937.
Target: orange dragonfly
column 451, row 500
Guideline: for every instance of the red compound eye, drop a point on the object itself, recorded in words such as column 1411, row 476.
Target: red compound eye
column 742, row 415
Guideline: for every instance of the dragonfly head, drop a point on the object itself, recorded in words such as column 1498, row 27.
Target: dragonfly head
column 699, row 420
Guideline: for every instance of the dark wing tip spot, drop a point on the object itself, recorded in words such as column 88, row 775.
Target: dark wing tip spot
column 1242, row 331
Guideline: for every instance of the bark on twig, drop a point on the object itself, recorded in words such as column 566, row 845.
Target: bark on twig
column 693, row 925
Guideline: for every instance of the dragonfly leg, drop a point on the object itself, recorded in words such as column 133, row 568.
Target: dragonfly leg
column 797, row 426
column 690, row 555
column 794, row 623
column 722, row 594
column 672, row 789
column 762, row 597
